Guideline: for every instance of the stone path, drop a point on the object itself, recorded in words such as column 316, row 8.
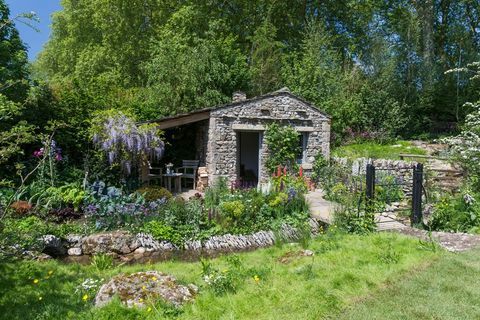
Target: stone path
column 385, row 223
column 321, row 209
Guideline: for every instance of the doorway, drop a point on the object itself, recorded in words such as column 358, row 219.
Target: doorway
column 248, row 156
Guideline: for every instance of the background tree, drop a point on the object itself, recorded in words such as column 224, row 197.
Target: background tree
column 14, row 85
column 349, row 57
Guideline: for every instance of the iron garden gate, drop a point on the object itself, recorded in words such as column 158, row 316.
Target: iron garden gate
column 415, row 186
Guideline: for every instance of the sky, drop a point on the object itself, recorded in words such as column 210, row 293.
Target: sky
column 44, row 9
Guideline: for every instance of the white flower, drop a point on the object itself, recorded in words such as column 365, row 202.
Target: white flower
column 468, row 199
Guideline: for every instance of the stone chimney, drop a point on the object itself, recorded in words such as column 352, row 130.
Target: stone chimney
column 239, row 96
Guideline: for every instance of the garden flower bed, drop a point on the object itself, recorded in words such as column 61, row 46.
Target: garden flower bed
column 152, row 224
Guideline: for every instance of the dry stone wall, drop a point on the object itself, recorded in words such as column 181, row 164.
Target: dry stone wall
column 142, row 247
column 401, row 170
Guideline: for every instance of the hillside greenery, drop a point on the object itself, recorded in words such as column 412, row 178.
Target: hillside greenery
column 377, row 67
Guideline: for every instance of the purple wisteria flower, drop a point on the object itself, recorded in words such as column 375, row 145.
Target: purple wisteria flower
column 127, row 143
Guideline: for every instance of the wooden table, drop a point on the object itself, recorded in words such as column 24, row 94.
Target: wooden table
column 176, row 181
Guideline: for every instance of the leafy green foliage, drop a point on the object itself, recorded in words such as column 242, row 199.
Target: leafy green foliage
column 12, row 135
column 355, row 221
column 24, row 232
column 162, row 232
column 190, row 70
column 285, row 142
column 13, row 58
column 55, row 197
column 266, row 52
column 458, row 213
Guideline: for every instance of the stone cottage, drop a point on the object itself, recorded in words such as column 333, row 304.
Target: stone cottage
column 229, row 141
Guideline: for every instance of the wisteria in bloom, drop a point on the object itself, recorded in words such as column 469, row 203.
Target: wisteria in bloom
column 127, row 143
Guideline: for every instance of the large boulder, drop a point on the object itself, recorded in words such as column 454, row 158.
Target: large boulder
column 119, row 242
column 137, row 288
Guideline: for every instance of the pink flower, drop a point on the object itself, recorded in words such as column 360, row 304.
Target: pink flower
column 58, row 157
column 38, row 153
column 300, row 172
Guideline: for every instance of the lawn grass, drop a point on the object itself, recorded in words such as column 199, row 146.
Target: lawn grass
column 377, row 151
column 448, row 289
column 343, row 268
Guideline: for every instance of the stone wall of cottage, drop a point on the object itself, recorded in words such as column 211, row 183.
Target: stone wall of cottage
column 254, row 115
column 201, row 142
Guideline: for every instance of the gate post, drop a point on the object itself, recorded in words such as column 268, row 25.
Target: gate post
column 417, row 194
column 370, row 186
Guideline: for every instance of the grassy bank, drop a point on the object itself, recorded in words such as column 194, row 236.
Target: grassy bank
column 377, row 151
column 448, row 289
column 290, row 286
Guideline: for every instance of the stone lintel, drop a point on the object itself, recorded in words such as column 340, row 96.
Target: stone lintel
column 248, row 127
column 305, row 129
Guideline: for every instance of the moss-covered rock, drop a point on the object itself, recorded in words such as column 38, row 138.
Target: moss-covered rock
column 139, row 288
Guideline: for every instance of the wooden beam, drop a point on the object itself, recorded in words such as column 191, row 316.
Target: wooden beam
column 182, row 120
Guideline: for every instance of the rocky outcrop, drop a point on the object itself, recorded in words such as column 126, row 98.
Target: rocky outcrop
column 137, row 288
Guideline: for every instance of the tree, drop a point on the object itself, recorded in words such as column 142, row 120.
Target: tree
column 13, row 59
column 12, row 136
column 191, row 71
column 14, row 132
column 265, row 58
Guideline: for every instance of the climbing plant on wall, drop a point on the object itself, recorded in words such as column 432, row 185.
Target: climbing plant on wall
column 283, row 143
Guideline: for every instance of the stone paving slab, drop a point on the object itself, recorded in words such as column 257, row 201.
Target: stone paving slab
column 453, row 242
column 387, row 223
column 321, row 209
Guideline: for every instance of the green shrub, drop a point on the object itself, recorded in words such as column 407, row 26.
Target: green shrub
column 355, row 222
column 353, row 217
column 456, row 213
column 160, row 231
column 152, row 193
column 56, row 197
column 390, row 192
column 214, row 194
column 24, row 231
column 234, row 209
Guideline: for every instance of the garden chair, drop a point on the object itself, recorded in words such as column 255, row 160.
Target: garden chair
column 189, row 170
column 155, row 173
